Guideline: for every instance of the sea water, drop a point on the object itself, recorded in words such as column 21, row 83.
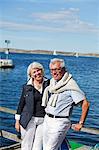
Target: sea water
column 85, row 71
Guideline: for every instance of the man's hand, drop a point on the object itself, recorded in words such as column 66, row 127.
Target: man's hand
column 77, row 127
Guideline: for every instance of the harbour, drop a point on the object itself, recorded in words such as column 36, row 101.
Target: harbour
column 51, row 52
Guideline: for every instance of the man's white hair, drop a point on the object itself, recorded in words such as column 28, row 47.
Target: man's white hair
column 62, row 63
column 34, row 65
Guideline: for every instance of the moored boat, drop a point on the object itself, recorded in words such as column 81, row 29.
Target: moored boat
column 6, row 63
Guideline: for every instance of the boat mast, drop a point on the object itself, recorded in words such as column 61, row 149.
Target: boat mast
column 7, row 51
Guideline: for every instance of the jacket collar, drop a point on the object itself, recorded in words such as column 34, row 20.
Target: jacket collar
column 30, row 82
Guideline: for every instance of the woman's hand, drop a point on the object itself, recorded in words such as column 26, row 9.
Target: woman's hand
column 17, row 125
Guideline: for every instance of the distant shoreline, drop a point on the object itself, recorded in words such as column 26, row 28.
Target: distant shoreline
column 77, row 54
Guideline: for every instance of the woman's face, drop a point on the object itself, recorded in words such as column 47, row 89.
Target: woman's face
column 36, row 74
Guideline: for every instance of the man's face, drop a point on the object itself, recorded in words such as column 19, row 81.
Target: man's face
column 56, row 71
column 36, row 74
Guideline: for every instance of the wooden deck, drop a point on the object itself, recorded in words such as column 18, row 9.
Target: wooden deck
column 17, row 146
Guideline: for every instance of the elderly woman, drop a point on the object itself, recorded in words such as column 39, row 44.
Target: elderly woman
column 30, row 113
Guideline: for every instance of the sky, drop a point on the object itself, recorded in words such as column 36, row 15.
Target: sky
column 61, row 25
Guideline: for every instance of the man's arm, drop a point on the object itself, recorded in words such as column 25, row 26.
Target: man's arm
column 85, row 107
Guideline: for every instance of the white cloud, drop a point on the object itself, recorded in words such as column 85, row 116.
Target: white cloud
column 58, row 15
column 65, row 20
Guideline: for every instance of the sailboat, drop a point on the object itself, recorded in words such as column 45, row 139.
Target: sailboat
column 54, row 52
column 77, row 54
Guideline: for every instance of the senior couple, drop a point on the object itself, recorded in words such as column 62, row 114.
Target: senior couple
column 45, row 107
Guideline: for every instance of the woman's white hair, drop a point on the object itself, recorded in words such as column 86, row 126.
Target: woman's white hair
column 34, row 65
column 62, row 63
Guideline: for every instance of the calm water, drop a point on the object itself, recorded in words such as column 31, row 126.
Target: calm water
column 84, row 69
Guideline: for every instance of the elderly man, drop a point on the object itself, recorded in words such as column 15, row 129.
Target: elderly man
column 59, row 98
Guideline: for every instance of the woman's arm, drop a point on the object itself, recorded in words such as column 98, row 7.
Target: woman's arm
column 19, row 110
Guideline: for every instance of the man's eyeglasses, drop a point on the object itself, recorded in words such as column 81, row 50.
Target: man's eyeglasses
column 56, row 69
